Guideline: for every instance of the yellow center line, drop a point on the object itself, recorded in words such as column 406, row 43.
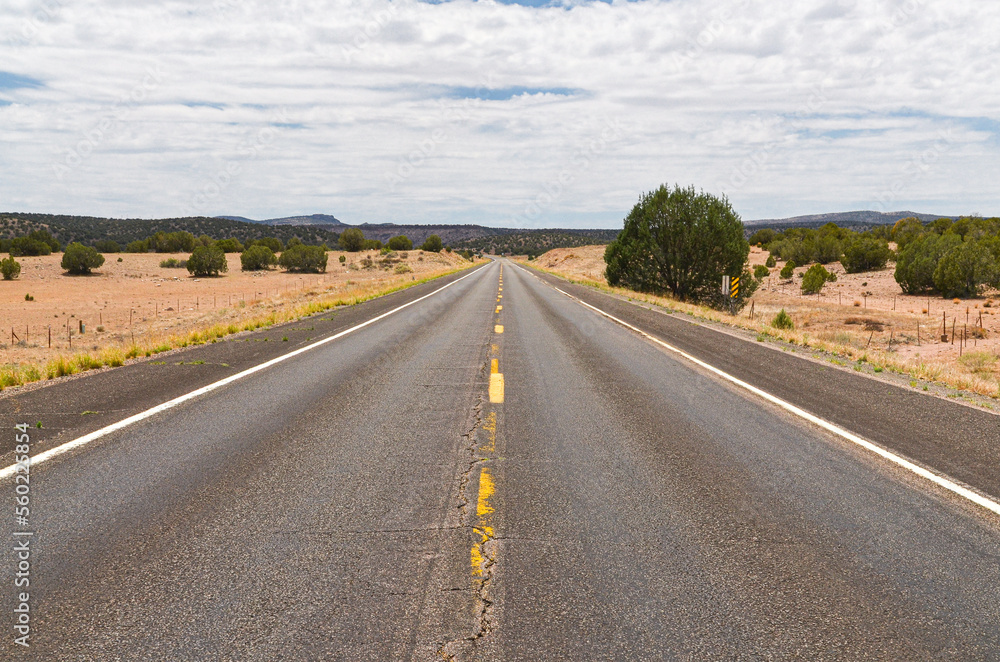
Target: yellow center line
column 496, row 388
column 498, row 328
column 494, row 366
column 484, row 511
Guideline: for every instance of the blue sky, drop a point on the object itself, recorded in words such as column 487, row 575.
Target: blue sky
column 522, row 114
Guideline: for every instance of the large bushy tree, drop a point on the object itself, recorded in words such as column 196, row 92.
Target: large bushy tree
column 680, row 241
column 865, row 252
column 352, row 239
column 207, row 261
column 79, row 259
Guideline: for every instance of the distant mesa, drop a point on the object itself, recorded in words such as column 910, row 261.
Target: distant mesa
column 844, row 219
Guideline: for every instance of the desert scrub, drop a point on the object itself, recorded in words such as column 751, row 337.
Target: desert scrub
column 787, row 270
column 403, row 269
column 978, row 361
column 783, row 321
column 815, row 278
column 173, row 263
column 10, row 268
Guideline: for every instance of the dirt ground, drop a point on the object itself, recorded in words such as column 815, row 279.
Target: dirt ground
column 136, row 298
column 866, row 311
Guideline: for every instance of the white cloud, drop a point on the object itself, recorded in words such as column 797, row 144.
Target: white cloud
column 266, row 109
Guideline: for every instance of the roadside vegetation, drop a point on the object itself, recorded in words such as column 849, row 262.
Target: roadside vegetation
column 682, row 242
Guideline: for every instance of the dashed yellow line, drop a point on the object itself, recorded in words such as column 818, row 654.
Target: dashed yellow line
column 496, row 388
column 499, row 308
column 498, row 328
column 484, row 511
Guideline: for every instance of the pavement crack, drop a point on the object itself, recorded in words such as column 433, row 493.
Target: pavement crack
column 470, row 449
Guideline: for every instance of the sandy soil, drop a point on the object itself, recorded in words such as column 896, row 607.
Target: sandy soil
column 137, row 298
column 865, row 310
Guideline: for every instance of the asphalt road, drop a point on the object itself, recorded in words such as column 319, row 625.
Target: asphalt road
column 498, row 473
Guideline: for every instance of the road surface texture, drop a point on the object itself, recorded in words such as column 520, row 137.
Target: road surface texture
column 496, row 472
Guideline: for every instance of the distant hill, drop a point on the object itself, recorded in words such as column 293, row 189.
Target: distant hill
column 536, row 242
column 314, row 219
column 89, row 229
column 845, row 219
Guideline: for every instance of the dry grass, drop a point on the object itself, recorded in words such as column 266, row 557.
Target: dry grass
column 847, row 345
column 251, row 317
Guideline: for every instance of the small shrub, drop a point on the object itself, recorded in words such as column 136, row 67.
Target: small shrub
column 771, row 262
column 403, row 269
column 207, row 261
column 978, row 361
column 28, row 297
column 10, row 268
column 257, row 258
column 760, row 272
column 432, row 244
column 814, row 279
column 79, row 259
column 788, row 269
column 783, row 321
column 343, row 259
column 120, row 260
column 173, row 263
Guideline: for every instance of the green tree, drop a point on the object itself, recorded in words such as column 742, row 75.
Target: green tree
column 80, row 259
column 826, row 249
column 763, row 237
column 352, row 240
column 257, row 258
column 108, row 246
column 432, row 244
column 681, row 241
column 231, row 245
column 866, row 253
column 10, row 268
column 917, row 261
column 372, row 245
column 137, row 246
column 788, row 269
column 271, row 242
column 771, row 262
column 207, row 261
column 27, row 246
column 815, row 278
column 760, row 272
column 400, row 243
column 964, row 269
column 303, row 258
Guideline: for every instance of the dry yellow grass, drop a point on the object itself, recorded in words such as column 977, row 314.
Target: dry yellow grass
column 259, row 315
column 969, row 375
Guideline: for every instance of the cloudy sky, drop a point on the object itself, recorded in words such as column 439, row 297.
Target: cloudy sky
column 533, row 115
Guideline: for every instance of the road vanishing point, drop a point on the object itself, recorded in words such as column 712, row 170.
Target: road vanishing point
column 501, row 465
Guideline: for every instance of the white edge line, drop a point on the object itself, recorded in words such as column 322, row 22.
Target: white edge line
column 935, row 478
column 7, row 472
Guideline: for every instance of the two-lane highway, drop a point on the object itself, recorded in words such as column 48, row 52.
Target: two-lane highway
column 495, row 472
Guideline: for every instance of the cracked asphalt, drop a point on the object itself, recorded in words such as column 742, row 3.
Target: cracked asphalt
column 495, row 474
